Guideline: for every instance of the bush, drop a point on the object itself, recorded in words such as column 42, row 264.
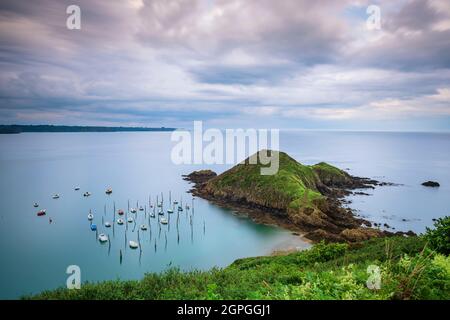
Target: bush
column 439, row 237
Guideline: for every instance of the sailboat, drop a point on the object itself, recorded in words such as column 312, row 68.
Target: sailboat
column 102, row 237
column 133, row 244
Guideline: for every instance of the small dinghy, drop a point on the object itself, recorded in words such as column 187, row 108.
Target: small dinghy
column 86, row 194
column 55, row 196
column 102, row 237
column 119, row 221
column 108, row 224
column 133, row 210
column 180, row 208
column 161, row 213
column 90, row 216
column 141, row 208
column 133, row 245
column 41, row 212
column 169, row 211
column 159, row 205
column 108, row 191
column 164, row 221
column 175, row 202
column 152, row 215
column 77, row 188
column 93, row 227
column 143, row 227
column 35, row 205
column 130, row 220
column 120, row 212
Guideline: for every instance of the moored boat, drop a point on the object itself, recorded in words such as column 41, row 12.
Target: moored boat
column 108, row 191
column 41, row 212
column 120, row 221
column 164, row 221
column 93, row 227
column 133, row 244
column 102, row 237
column 35, row 205
column 108, row 224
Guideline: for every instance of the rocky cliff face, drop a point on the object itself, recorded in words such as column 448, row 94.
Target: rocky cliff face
column 303, row 197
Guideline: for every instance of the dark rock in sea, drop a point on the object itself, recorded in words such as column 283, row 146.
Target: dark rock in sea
column 367, row 223
column 432, row 184
column 300, row 197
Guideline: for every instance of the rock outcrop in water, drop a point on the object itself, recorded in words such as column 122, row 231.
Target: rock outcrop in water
column 299, row 197
column 432, row 184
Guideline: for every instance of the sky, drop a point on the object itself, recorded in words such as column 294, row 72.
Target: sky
column 288, row 64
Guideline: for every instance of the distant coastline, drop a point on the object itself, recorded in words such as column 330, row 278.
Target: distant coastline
column 15, row 129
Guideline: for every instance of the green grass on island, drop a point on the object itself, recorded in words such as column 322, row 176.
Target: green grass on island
column 294, row 185
column 410, row 268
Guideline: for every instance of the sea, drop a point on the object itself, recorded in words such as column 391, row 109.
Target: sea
column 38, row 252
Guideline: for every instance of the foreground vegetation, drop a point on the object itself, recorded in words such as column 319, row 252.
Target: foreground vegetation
column 410, row 268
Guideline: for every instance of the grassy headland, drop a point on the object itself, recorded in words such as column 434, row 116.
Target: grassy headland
column 299, row 197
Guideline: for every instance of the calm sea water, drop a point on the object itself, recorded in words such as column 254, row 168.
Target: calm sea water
column 35, row 253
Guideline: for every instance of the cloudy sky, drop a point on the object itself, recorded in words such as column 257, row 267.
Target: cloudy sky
column 231, row 63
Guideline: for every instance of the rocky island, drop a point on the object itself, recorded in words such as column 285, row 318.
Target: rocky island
column 302, row 198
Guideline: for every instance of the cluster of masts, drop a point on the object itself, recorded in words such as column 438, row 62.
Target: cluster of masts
column 158, row 205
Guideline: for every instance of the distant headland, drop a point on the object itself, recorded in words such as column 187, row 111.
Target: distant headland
column 15, row 128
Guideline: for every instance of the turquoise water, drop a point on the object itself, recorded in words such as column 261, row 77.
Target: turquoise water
column 35, row 254
column 34, row 166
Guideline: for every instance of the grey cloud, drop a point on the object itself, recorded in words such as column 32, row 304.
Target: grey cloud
column 169, row 60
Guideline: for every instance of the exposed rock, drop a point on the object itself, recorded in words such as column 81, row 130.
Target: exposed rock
column 360, row 234
column 359, row 193
column 432, row 184
column 319, row 235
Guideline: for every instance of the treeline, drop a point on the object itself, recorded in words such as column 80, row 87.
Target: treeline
column 10, row 129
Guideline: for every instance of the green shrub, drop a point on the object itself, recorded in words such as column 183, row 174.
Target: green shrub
column 439, row 237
